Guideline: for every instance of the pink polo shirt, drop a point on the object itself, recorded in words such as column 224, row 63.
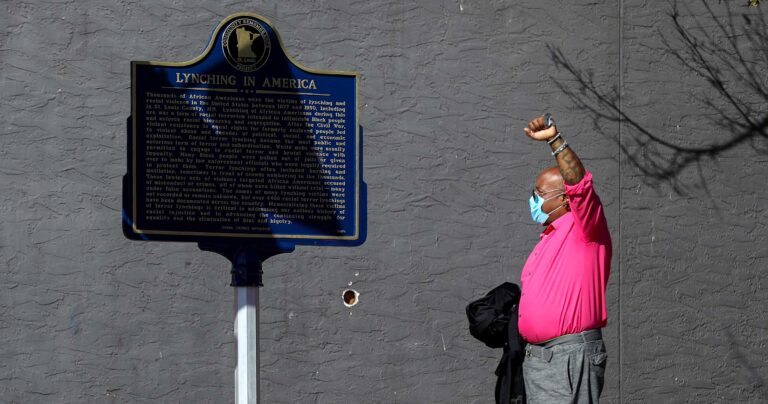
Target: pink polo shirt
column 564, row 278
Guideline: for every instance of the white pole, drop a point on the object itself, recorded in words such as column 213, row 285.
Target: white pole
column 247, row 346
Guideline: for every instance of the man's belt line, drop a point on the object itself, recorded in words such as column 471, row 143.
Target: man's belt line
column 542, row 350
column 584, row 336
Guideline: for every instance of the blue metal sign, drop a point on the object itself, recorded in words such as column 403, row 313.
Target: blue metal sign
column 244, row 144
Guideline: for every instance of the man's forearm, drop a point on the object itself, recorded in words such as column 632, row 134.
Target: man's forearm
column 570, row 165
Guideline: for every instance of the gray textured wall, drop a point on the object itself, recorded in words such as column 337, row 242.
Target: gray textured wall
column 86, row 316
column 694, row 248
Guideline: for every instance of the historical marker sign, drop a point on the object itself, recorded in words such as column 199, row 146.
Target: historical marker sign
column 243, row 143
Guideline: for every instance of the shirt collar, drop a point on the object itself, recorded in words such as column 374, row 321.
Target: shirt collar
column 561, row 222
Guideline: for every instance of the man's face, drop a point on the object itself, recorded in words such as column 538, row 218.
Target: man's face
column 550, row 188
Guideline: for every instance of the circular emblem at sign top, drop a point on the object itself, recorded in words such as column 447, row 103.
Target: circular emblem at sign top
column 246, row 44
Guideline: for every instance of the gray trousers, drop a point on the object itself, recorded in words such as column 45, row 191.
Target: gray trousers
column 571, row 372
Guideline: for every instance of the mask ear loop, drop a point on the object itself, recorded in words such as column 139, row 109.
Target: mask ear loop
column 561, row 205
column 557, row 208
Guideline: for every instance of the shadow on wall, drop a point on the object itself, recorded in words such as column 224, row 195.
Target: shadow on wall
column 730, row 53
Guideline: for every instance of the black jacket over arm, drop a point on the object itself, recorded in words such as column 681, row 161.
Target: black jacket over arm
column 493, row 320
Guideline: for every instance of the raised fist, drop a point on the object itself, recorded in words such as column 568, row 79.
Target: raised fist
column 538, row 130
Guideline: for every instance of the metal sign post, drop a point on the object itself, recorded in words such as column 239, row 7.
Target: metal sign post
column 247, row 273
column 246, row 280
column 247, row 336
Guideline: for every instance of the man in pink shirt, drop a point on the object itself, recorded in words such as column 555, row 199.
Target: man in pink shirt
column 562, row 305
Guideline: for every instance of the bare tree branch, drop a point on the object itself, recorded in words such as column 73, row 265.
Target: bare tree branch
column 731, row 56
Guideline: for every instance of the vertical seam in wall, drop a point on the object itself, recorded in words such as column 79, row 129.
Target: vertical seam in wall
column 621, row 110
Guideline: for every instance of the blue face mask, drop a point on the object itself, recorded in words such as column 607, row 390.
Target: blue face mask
column 536, row 202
